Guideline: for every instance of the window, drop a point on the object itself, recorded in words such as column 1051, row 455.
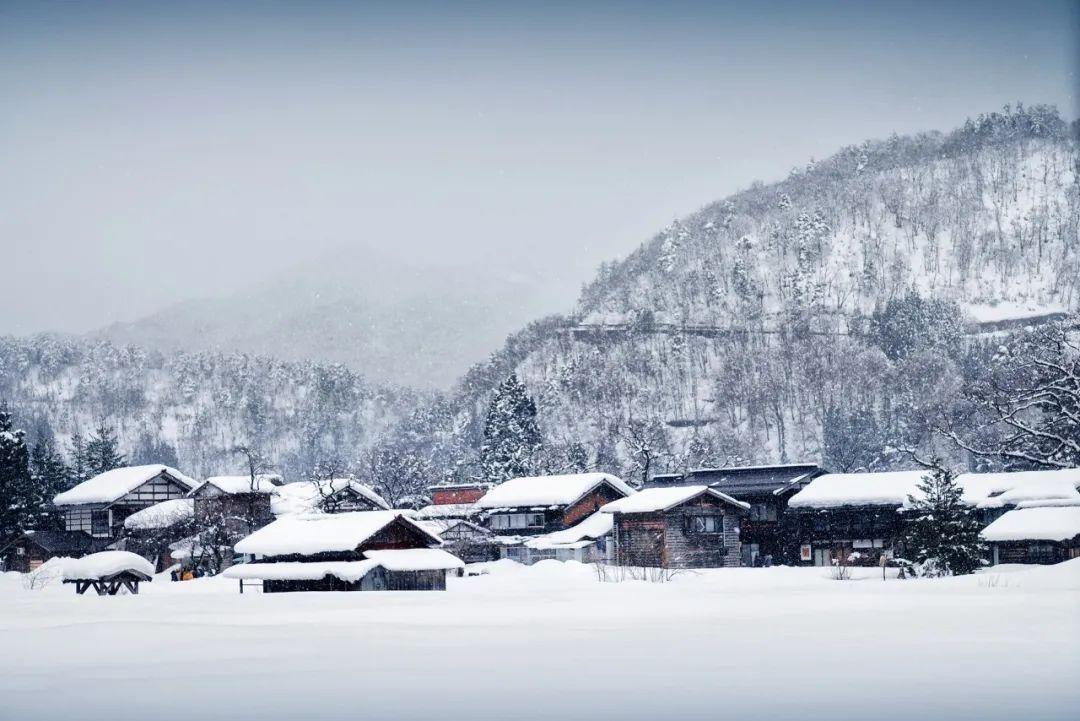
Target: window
column 706, row 524
column 99, row 523
column 762, row 512
column 77, row 519
column 509, row 521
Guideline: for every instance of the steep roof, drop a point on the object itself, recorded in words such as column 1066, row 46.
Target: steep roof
column 232, row 485
column 1035, row 524
column 545, row 491
column 307, row 534
column 744, row 480
column 651, row 500
column 161, row 515
column 117, row 483
column 306, row 496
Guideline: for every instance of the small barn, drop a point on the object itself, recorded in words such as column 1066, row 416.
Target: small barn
column 678, row 527
column 356, row 551
column 469, row 541
column 243, row 500
column 1042, row 534
column 30, row 549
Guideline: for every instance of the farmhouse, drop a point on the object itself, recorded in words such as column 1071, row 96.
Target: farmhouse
column 523, row 508
column 30, row 549
column 1041, row 534
column 468, row 541
column 767, row 489
column 99, row 506
column 353, row 551
column 678, row 527
column 237, row 501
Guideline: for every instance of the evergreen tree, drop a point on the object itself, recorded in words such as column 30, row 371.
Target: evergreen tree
column 16, row 491
column 511, row 436
column 943, row 533
column 102, row 453
column 78, row 458
column 50, row 476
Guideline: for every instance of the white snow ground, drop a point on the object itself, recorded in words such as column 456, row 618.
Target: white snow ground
column 551, row 642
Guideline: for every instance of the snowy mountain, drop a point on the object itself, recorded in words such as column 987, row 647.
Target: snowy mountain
column 395, row 320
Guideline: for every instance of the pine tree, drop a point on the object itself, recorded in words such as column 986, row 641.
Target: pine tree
column 102, row 453
column 78, row 458
column 50, row 476
column 511, row 436
column 16, row 496
column 943, row 533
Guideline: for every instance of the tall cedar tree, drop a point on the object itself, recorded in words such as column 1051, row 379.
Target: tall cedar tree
column 511, row 436
column 943, row 532
column 50, row 475
column 102, row 453
column 16, row 487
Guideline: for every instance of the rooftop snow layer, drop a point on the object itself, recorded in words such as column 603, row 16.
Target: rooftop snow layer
column 1035, row 524
column 536, row 491
column 415, row 559
column 993, row 490
column 161, row 515
column 651, row 500
column 349, row 571
column 446, row 510
column 307, row 534
column 306, row 496
column 113, row 485
column 264, row 483
column 834, row 490
column 106, row 563
column 595, row 526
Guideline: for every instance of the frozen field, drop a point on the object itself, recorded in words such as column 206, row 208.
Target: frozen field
column 551, row 642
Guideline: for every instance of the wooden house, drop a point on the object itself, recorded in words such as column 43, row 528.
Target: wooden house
column 30, row 549
column 590, row 541
column 1036, row 534
column 453, row 501
column 100, row 505
column 678, row 527
column 242, row 503
column 523, row 508
column 152, row 531
column 355, row 551
column 765, row 537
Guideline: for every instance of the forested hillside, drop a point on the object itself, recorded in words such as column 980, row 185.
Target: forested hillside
column 829, row 317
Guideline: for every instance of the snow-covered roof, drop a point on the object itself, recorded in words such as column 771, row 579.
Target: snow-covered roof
column 306, row 496
column 117, row 483
column 350, row 571
column 994, row 490
column 834, row 490
column 264, row 483
column 415, row 559
column 106, row 563
column 446, row 510
column 543, row 491
column 1035, row 524
column 306, row 534
column 651, row 500
column 161, row 515
column 595, row 526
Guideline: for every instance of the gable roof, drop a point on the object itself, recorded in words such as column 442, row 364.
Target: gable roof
column 233, row 485
column 1035, row 524
column 307, row 496
column 307, row 534
column 546, row 491
column 64, row 543
column 748, row 480
column 651, row 500
column 113, row 485
column 836, row 490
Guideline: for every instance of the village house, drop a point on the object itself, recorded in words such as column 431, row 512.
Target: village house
column 353, row 551
column 523, row 508
column 1035, row 534
column 30, row 549
column 678, row 527
column 100, row 505
column 240, row 502
column 465, row 539
column 767, row 489
column 152, row 531
column 453, row 501
column 589, row 541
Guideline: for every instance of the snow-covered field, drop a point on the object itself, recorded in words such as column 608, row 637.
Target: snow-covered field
column 551, row 642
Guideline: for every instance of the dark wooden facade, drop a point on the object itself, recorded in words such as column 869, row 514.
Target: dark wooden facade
column 33, row 548
column 557, row 518
column 702, row 532
column 865, row 532
column 242, row 513
column 106, row 520
column 1036, row 552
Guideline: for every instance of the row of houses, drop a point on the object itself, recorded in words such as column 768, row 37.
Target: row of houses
column 340, row 534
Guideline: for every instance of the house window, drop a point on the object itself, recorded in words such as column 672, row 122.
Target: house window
column 510, row 521
column 762, row 512
column 77, row 519
column 99, row 523
column 706, row 524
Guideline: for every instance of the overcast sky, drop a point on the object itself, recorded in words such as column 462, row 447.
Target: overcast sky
column 150, row 153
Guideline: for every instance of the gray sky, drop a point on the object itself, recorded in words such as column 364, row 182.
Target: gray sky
column 152, row 153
